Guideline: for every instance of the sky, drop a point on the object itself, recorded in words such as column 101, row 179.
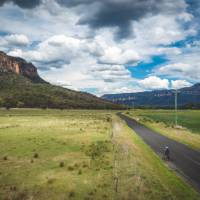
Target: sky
column 107, row 46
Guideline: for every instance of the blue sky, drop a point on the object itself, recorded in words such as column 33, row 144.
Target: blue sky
column 119, row 46
column 143, row 69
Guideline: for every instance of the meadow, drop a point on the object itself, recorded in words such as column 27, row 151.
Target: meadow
column 80, row 154
column 186, row 118
column 163, row 121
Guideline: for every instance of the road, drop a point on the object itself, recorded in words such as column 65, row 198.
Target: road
column 184, row 159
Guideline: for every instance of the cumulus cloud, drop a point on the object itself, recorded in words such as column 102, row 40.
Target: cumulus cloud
column 189, row 71
column 22, row 3
column 177, row 84
column 183, row 66
column 14, row 40
column 154, row 82
column 93, row 49
column 57, row 50
column 65, row 84
column 113, row 13
column 120, row 13
column 111, row 73
column 115, row 55
column 169, row 31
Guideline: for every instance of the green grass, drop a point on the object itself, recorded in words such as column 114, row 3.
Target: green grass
column 53, row 154
column 186, row 118
column 162, row 121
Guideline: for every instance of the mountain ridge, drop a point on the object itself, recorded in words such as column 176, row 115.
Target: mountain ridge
column 188, row 97
column 21, row 86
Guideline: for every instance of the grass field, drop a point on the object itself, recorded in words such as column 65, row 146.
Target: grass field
column 186, row 118
column 59, row 155
column 163, row 121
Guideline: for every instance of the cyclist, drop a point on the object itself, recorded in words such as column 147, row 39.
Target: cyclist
column 167, row 153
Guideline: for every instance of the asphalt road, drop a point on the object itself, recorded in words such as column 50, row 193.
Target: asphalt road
column 182, row 158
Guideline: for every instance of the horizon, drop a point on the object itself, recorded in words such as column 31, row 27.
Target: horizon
column 119, row 47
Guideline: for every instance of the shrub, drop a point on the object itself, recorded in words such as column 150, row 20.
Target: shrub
column 5, row 158
column 51, row 180
column 13, row 188
column 70, row 168
column 85, row 165
column 76, row 165
column 36, row 155
column 71, row 194
column 91, row 193
column 108, row 119
column 62, row 164
column 98, row 149
column 105, row 196
column 22, row 195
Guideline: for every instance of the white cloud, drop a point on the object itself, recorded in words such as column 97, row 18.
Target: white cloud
column 177, row 84
column 65, row 84
column 77, row 57
column 162, row 29
column 154, row 82
column 14, row 40
column 55, row 48
column 184, row 66
column 115, row 55
column 111, row 73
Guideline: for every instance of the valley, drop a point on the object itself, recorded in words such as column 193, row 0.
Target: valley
column 80, row 154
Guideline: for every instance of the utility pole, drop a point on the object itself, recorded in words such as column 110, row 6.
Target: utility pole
column 176, row 107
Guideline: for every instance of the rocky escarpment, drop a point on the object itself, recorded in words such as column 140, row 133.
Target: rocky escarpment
column 188, row 97
column 19, row 66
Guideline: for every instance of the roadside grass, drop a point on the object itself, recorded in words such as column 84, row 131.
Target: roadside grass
column 161, row 121
column 142, row 174
column 36, row 142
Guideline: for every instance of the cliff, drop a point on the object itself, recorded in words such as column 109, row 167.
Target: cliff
column 19, row 66
column 188, row 97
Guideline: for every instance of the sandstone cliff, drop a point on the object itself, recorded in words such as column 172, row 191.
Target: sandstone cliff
column 19, row 66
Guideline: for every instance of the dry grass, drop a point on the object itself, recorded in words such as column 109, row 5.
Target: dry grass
column 66, row 143
column 43, row 154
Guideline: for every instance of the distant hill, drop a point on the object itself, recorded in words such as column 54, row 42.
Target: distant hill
column 188, row 97
column 21, row 86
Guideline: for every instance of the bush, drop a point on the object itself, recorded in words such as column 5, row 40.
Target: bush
column 98, row 149
column 70, row 168
column 36, row 155
column 62, row 164
column 108, row 119
column 51, row 180
column 71, row 194
column 5, row 158
column 13, row 188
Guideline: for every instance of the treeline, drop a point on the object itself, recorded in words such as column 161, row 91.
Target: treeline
column 48, row 102
column 186, row 106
